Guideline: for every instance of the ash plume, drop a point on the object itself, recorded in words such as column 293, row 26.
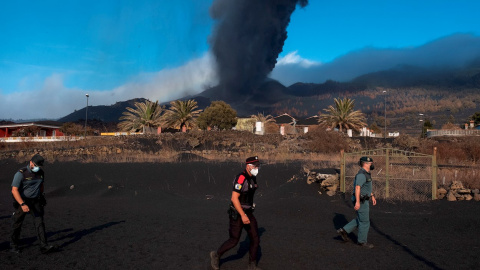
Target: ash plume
column 247, row 40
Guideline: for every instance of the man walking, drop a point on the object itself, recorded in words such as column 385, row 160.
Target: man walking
column 241, row 215
column 27, row 191
column 362, row 193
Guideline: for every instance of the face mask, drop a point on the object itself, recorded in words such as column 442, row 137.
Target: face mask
column 35, row 169
column 372, row 167
column 254, row 172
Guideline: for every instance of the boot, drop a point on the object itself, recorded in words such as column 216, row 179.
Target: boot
column 343, row 234
column 366, row 245
column 214, row 260
column 253, row 266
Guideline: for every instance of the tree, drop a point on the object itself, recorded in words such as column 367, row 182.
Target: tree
column 70, row 128
column 375, row 128
column 342, row 116
column 218, row 115
column 181, row 114
column 145, row 115
column 262, row 118
column 426, row 126
column 476, row 117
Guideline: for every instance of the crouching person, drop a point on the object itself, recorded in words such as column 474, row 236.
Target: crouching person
column 27, row 191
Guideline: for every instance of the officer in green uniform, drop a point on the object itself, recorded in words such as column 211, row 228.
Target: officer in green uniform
column 28, row 199
column 362, row 193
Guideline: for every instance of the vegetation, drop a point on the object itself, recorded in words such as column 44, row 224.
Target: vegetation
column 259, row 117
column 145, row 115
column 476, row 118
column 342, row 116
column 27, row 131
column 219, row 115
column 181, row 114
column 426, row 126
column 70, row 129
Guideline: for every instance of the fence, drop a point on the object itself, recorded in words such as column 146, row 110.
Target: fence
column 40, row 139
column 398, row 175
column 453, row 132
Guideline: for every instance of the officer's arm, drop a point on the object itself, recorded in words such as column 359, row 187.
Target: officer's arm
column 16, row 195
column 357, row 193
column 17, row 181
column 236, row 203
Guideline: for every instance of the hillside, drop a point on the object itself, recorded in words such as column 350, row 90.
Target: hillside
column 443, row 95
column 105, row 113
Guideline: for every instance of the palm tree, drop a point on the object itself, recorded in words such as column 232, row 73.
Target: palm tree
column 145, row 115
column 342, row 115
column 181, row 114
column 262, row 118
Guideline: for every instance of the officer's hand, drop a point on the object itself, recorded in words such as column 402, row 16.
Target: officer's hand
column 374, row 202
column 357, row 206
column 25, row 208
column 245, row 219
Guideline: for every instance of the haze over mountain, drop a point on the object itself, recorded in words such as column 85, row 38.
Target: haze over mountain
column 451, row 52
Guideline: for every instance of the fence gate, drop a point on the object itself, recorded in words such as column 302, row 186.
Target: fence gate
column 398, row 175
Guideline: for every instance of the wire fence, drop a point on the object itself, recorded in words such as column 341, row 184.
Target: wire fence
column 398, row 175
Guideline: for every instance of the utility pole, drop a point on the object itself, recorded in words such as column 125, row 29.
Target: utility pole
column 86, row 115
column 385, row 105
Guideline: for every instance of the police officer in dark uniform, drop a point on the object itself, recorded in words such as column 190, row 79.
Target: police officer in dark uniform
column 27, row 191
column 362, row 193
column 241, row 214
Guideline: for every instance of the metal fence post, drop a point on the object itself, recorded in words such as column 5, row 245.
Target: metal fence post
column 387, row 192
column 342, row 171
column 434, row 174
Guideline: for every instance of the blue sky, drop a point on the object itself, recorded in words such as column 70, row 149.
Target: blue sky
column 54, row 52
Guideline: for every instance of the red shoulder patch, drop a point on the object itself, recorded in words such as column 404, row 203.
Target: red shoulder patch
column 241, row 179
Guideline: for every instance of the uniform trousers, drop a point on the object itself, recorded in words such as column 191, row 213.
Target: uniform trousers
column 235, row 231
column 36, row 211
column 362, row 222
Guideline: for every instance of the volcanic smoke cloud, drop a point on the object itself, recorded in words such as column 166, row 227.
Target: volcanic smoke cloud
column 247, row 40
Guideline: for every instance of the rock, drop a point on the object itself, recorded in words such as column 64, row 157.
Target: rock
column 72, row 187
column 119, row 151
column 451, row 196
column 468, row 197
column 461, row 198
column 476, row 197
column 475, row 191
column 310, row 180
column 456, row 185
column 441, row 192
column 110, row 187
column 464, row 191
column 331, row 183
column 331, row 192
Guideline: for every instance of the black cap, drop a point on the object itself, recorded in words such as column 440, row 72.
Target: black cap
column 253, row 160
column 38, row 160
column 366, row 159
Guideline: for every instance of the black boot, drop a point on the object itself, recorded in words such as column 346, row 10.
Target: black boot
column 47, row 249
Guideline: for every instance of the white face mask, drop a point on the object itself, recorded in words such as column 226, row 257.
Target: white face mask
column 35, row 169
column 254, row 172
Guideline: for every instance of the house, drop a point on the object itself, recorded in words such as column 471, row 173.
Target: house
column 287, row 123
column 306, row 123
column 39, row 129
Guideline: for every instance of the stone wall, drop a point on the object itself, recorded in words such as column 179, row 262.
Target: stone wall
column 457, row 192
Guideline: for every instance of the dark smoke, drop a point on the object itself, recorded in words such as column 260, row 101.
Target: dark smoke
column 247, row 40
